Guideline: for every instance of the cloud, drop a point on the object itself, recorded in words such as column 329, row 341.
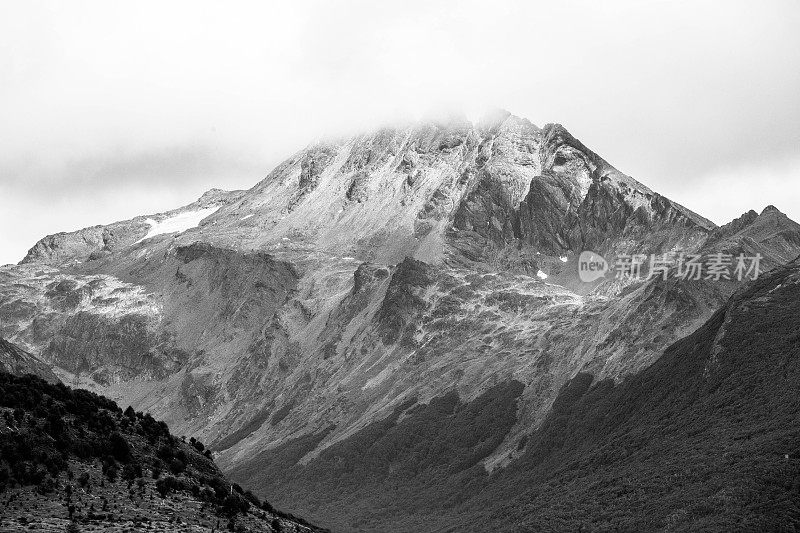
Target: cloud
column 176, row 166
column 103, row 96
column 727, row 192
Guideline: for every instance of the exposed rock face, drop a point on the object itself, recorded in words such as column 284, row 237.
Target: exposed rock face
column 63, row 247
column 705, row 438
column 364, row 273
column 15, row 360
column 577, row 201
column 195, row 319
column 771, row 234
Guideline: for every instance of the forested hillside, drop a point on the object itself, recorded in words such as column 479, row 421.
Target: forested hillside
column 73, row 459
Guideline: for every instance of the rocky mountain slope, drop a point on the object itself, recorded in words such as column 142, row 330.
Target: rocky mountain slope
column 71, row 459
column 364, row 274
column 15, row 360
column 704, row 439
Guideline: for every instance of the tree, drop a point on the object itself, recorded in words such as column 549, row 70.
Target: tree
column 111, row 473
column 252, row 498
column 233, row 504
column 165, row 485
column 177, row 466
column 132, row 471
column 165, row 453
column 5, row 475
column 267, row 507
column 47, row 486
column 55, row 425
column 119, row 447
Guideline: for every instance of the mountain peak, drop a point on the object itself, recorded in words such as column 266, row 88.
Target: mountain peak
column 444, row 189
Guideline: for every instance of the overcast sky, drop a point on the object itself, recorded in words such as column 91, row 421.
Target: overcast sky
column 113, row 109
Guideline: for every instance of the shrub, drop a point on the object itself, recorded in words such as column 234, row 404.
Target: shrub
column 177, row 466
column 234, row 504
column 166, row 485
column 131, row 471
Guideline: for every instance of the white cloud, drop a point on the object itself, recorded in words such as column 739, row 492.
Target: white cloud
column 666, row 91
column 725, row 193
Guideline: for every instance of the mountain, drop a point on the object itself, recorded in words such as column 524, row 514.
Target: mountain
column 771, row 234
column 99, row 241
column 15, row 360
column 70, row 457
column 368, row 277
column 704, row 439
column 451, row 192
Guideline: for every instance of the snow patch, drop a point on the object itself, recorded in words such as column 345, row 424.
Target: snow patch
column 246, row 216
column 563, row 258
column 541, row 275
column 177, row 223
